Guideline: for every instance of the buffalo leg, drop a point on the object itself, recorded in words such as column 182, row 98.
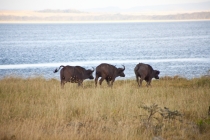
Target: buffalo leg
column 108, row 82
column 96, row 80
column 142, row 78
column 80, row 83
column 140, row 82
column 137, row 80
column 148, row 83
column 101, row 80
column 112, row 82
column 62, row 84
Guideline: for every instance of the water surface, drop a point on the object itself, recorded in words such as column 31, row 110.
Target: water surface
column 173, row 48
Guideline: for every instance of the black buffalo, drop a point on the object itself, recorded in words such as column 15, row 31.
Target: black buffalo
column 108, row 72
column 145, row 72
column 74, row 74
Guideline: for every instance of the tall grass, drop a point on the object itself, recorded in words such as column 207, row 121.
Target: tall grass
column 36, row 108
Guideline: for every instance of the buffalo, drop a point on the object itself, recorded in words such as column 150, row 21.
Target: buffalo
column 145, row 72
column 109, row 73
column 74, row 74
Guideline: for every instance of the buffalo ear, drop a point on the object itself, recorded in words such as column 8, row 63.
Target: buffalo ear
column 157, row 72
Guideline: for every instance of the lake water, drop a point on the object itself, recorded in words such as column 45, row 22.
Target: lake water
column 173, row 48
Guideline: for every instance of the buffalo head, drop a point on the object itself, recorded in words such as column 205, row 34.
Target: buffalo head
column 121, row 71
column 156, row 74
column 90, row 73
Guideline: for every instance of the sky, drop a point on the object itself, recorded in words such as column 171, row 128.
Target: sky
column 83, row 4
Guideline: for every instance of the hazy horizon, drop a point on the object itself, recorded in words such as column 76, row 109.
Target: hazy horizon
column 87, row 5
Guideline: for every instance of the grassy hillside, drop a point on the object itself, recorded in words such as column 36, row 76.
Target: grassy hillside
column 36, row 108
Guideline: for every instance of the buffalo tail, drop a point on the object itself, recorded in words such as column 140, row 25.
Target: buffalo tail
column 56, row 70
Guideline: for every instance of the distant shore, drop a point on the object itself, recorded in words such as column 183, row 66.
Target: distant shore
column 98, row 17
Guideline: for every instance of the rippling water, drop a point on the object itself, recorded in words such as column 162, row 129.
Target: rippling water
column 174, row 48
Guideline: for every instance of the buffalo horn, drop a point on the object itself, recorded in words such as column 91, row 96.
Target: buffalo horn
column 124, row 67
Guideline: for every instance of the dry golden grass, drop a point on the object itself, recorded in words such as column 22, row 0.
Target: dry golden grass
column 36, row 108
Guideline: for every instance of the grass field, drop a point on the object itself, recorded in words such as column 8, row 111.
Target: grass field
column 36, row 108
